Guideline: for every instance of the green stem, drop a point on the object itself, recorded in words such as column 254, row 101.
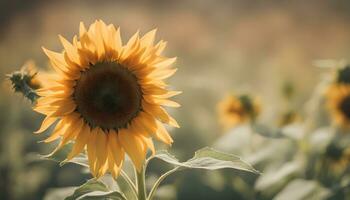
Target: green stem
column 140, row 179
column 161, row 178
column 128, row 181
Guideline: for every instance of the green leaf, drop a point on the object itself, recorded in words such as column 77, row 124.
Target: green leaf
column 275, row 178
column 98, row 195
column 90, row 186
column 166, row 157
column 267, row 131
column 80, row 159
column 94, row 189
column 59, row 155
column 300, row 189
column 58, row 193
column 126, row 187
column 236, row 140
column 208, row 158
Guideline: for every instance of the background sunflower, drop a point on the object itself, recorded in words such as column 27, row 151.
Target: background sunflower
column 221, row 46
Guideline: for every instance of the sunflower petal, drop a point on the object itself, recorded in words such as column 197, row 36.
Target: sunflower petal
column 47, row 122
column 80, row 142
column 162, row 134
column 91, row 151
column 133, row 146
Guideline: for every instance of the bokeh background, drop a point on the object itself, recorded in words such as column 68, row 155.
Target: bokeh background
column 222, row 46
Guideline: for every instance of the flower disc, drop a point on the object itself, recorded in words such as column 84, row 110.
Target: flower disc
column 108, row 96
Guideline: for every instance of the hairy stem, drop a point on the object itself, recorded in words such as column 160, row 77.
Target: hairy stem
column 140, row 179
column 128, row 181
column 160, row 179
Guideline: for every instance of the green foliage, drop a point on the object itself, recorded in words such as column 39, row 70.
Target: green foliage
column 94, row 189
column 301, row 189
column 208, row 158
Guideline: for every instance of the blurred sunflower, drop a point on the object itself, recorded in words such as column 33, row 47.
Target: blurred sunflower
column 338, row 103
column 337, row 157
column 26, row 80
column 288, row 117
column 108, row 97
column 343, row 75
column 234, row 110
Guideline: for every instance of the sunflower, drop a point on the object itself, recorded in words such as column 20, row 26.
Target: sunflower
column 288, row 117
column 338, row 103
column 107, row 97
column 26, row 80
column 343, row 75
column 337, row 157
column 234, row 110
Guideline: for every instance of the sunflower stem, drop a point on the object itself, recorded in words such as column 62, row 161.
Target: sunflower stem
column 160, row 179
column 129, row 182
column 141, row 184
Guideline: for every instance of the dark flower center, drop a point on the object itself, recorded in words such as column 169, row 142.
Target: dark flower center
column 108, row 95
column 344, row 75
column 334, row 152
column 345, row 107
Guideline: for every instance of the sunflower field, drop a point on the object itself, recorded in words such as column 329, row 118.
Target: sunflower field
column 174, row 100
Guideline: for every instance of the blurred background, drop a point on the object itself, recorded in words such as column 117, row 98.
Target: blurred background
column 222, row 47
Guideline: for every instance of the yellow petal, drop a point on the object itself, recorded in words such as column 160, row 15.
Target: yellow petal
column 57, row 62
column 163, row 74
column 150, row 89
column 115, row 147
column 101, row 151
column 148, row 39
column 159, row 113
column 91, row 150
column 82, row 29
column 133, row 146
column 160, row 47
column 59, row 130
column 71, row 50
column 169, row 94
column 63, row 127
column 99, row 40
column 47, row 122
column 80, row 142
column 115, row 154
column 166, row 62
column 149, row 143
column 168, row 103
column 147, row 121
column 162, row 134
column 116, row 38
column 64, row 109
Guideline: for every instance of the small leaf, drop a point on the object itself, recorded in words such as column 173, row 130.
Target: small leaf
column 61, row 154
column 88, row 187
column 98, row 195
column 167, row 157
column 273, row 177
column 58, row 193
column 300, row 189
column 236, row 140
column 267, row 131
column 208, row 158
column 126, row 188
column 80, row 159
